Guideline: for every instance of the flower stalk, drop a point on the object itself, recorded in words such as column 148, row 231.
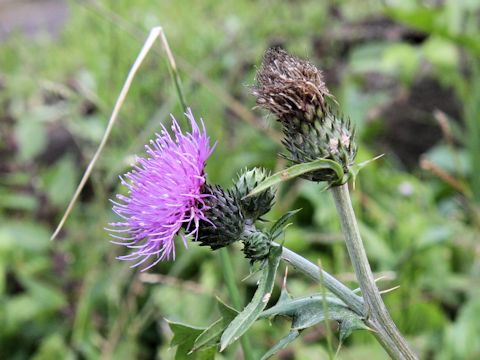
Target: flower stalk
column 314, row 130
column 311, row 270
column 377, row 315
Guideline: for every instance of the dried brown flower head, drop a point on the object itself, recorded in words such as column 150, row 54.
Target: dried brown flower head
column 293, row 89
column 288, row 85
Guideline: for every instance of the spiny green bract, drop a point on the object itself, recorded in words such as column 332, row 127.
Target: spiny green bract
column 327, row 136
column 225, row 223
column 256, row 246
column 254, row 207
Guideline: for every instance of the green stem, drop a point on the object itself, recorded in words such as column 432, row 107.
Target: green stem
column 229, row 276
column 377, row 315
column 320, row 276
column 325, row 311
column 472, row 113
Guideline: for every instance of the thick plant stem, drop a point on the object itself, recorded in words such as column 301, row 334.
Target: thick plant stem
column 308, row 268
column 377, row 315
column 229, row 276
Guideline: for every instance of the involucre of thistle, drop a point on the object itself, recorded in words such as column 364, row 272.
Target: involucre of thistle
column 327, row 137
column 294, row 90
column 164, row 194
column 224, row 222
column 254, row 206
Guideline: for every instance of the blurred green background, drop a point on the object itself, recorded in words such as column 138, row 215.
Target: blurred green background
column 406, row 72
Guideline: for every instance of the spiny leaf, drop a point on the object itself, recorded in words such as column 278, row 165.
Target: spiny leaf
column 211, row 336
column 309, row 311
column 247, row 317
column 277, row 228
column 297, row 170
column 228, row 313
column 349, row 323
column 184, row 337
column 282, row 344
column 314, row 313
column 289, row 307
column 183, row 332
column 357, row 167
column 284, row 296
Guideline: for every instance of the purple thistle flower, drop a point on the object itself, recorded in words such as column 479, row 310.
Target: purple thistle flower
column 164, row 194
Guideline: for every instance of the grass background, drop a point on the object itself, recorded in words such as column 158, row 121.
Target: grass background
column 407, row 74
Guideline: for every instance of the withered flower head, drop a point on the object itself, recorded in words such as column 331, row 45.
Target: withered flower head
column 287, row 85
column 293, row 90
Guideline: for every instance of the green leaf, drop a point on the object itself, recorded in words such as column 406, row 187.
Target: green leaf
column 184, row 337
column 25, row 236
column 297, row 170
column 59, row 181
column 349, row 323
column 278, row 227
column 31, row 137
column 284, row 296
column 183, row 333
column 282, row 344
column 227, row 312
column 247, row 317
column 53, row 347
column 355, row 169
column 308, row 311
column 290, row 306
column 211, row 336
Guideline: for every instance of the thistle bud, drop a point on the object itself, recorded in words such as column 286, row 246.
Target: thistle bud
column 293, row 89
column 254, row 206
column 224, row 222
column 256, row 245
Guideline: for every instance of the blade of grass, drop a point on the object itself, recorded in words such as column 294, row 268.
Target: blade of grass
column 153, row 35
column 228, row 100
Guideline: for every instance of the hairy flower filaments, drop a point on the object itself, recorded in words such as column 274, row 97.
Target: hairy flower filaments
column 164, row 194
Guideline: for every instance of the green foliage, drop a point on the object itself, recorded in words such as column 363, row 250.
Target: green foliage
column 184, row 338
column 247, row 317
column 72, row 299
column 281, row 224
column 282, row 344
column 211, row 336
column 308, row 311
column 297, row 170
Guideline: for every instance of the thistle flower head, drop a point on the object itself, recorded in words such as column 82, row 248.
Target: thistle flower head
column 293, row 89
column 164, row 194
